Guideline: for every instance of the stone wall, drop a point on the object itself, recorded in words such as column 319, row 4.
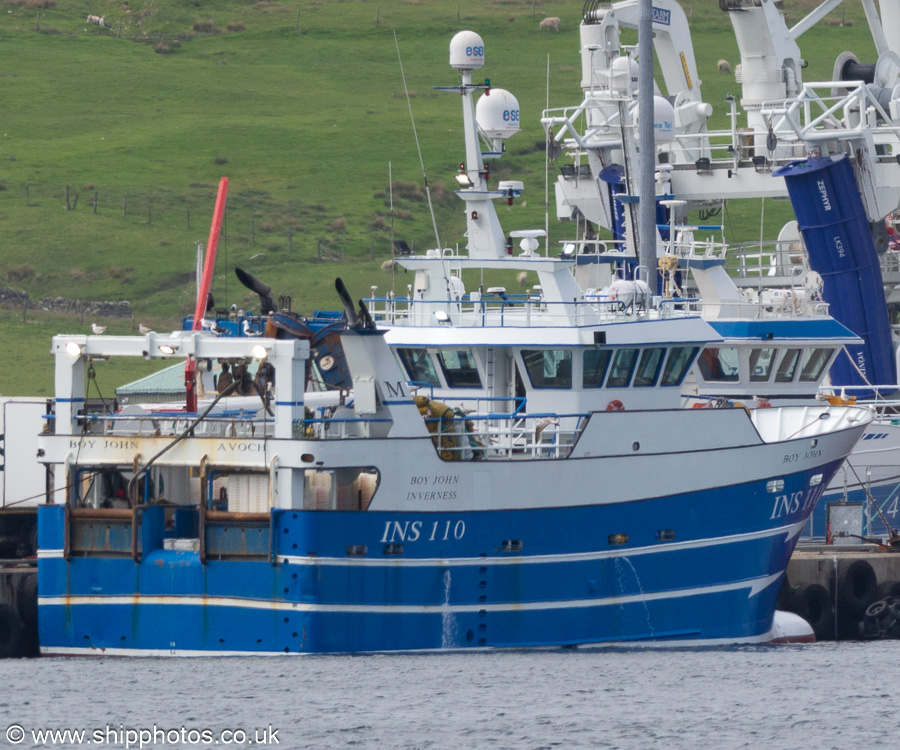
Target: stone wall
column 64, row 306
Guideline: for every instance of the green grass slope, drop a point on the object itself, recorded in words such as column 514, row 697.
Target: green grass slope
column 113, row 140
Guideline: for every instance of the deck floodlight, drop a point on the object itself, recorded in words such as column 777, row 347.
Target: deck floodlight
column 73, row 349
column 167, row 349
column 259, row 351
column 462, row 177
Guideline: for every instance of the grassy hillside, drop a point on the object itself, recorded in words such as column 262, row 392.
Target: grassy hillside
column 113, row 140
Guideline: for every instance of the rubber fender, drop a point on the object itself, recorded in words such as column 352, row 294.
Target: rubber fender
column 856, row 586
column 878, row 610
column 879, row 621
column 889, row 590
column 11, row 631
column 895, row 610
column 27, row 601
column 785, row 594
column 813, row 604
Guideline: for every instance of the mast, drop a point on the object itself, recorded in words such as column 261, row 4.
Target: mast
column 647, row 186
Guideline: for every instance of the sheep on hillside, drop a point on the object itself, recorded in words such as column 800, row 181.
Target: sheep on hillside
column 724, row 66
column 550, row 23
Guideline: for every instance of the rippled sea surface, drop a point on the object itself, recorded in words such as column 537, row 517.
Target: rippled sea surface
column 828, row 695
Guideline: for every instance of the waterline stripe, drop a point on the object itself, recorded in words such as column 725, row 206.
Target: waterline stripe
column 755, row 586
column 617, row 644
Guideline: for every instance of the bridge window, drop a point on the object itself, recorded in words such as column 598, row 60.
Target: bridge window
column 813, row 364
column 761, row 361
column 677, row 365
column 719, row 364
column 594, row 368
column 548, row 368
column 419, row 366
column 622, row 367
column 788, row 366
column 460, row 370
column 648, row 367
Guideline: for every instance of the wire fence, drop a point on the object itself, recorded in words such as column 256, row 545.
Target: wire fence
column 255, row 222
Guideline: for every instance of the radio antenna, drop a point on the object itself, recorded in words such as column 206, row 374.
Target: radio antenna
column 418, row 147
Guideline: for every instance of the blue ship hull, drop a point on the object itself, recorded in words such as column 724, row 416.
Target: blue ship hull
column 697, row 568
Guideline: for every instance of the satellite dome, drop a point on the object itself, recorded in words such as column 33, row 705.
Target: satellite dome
column 497, row 115
column 663, row 119
column 624, row 74
column 466, row 51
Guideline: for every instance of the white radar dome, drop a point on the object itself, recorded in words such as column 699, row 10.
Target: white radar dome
column 624, row 75
column 466, row 51
column 663, row 119
column 497, row 114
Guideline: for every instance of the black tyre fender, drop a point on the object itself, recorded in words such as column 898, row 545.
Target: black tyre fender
column 856, row 586
column 895, row 610
column 785, row 594
column 878, row 610
column 11, row 632
column 813, row 604
column 889, row 590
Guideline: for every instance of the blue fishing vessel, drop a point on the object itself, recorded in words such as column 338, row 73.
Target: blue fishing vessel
column 503, row 473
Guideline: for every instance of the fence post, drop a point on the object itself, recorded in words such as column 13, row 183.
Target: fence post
column 95, row 201
column 124, row 205
column 68, row 207
column 149, row 213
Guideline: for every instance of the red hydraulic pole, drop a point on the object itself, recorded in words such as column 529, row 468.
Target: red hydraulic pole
column 209, row 265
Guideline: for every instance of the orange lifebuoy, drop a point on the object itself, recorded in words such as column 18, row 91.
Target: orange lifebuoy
column 615, row 405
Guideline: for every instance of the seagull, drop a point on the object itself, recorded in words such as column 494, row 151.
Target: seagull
column 212, row 327
column 144, row 329
column 248, row 331
column 97, row 329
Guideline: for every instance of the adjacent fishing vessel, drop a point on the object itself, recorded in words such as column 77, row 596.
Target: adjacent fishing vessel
column 830, row 147
column 504, row 473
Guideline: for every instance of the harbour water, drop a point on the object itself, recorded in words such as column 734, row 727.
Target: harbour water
column 825, row 695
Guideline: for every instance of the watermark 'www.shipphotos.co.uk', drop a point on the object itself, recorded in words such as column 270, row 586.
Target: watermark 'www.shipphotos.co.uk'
column 135, row 737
